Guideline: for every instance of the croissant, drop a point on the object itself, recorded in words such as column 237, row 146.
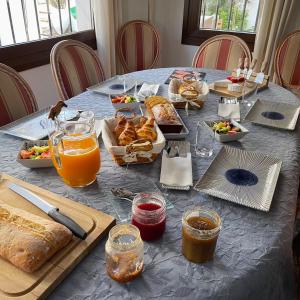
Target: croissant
column 121, row 123
column 128, row 135
column 147, row 131
column 141, row 122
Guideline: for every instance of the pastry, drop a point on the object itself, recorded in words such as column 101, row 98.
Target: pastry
column 147, row 131
column 27, row 240
column 155, row 100
column 121, row 123
column 141, row 122
column 128, row 135
column 165, row 114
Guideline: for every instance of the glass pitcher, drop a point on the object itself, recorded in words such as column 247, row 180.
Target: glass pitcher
column 75, row 153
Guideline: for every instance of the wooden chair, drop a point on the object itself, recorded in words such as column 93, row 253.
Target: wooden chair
column 287, row 62
column 221, row 52
column 138, row 46
column 75, row 67
column 16, row 97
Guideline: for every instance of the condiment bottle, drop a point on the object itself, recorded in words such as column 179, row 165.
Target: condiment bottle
column 200, row 231
column 124, row 253
column 149, row 215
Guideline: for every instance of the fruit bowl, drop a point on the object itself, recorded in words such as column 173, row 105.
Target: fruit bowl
column 230, row 136
column 128, row 101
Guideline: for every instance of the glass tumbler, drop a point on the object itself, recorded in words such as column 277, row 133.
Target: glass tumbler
column 124, row 253
column 200, row 231
column 88, row 117
column 204, row 145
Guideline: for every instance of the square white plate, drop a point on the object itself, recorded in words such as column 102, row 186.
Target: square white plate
column 274, row 114
column 243, row 177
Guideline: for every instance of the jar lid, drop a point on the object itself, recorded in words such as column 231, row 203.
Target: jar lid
column 124, row 237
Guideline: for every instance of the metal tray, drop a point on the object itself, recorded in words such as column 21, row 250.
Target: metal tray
column 243, row 177
column 114, row 86
column 170, row 136
column 274, row 114
column 31, row 127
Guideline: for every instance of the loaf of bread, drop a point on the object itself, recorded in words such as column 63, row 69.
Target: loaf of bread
column 164, row 114
column 27, row 240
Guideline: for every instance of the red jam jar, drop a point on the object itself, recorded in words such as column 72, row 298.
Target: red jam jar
column 149, row 215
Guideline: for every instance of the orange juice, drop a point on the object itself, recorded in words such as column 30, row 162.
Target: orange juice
column 79, row 160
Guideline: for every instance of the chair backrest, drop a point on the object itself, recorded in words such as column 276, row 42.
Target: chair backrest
column 221, row 52
column 75, row 66
column 287, row 61
column 16, row 97
column 138, row 46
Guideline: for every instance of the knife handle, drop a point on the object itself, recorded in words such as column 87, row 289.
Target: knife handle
column 69, row 223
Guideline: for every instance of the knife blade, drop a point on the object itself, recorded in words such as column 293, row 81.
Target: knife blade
column 49, row 209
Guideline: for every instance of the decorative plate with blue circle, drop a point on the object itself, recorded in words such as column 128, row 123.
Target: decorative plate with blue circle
column 274, row 114
column 244, row 177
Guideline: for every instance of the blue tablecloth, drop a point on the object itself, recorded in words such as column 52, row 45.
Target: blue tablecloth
column 253, row 257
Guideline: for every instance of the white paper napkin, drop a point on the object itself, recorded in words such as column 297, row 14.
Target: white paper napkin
column 229, row 110
column 176, row 172
column 147, row 90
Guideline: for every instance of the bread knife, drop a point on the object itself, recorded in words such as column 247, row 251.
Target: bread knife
column 49, row 209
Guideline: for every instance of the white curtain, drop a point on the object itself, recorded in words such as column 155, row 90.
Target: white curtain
column 108, row 20
column 275, row 20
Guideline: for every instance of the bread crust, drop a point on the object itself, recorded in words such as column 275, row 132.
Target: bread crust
column 27, row 240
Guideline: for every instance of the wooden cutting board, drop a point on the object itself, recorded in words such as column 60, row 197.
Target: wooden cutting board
column 223, row 91
column 16, row 284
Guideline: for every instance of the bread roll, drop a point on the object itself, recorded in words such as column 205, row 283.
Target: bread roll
column 27, row 240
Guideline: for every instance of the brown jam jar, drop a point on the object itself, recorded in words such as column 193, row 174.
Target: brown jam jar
column 124, row 253
column 200, row 231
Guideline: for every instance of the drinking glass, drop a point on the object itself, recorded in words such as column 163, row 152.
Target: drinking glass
column 249, row 99
column 204, row 145
column 123, row 78
column 88, row 117
column 75, row 153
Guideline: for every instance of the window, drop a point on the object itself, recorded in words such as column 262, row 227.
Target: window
column 206, row 18
column 30, row 28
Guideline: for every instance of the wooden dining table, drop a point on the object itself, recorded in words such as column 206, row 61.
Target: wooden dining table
column 253, row 258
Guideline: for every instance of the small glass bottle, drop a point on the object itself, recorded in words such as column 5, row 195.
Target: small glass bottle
column 149, row 215
column 200, row 231
column 124, row 253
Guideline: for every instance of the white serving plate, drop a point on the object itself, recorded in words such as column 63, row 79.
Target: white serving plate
column 224, row 138
column 274, row 114
column 31, row 127
column 114, row 86
column 243, row 177
column 34, row 163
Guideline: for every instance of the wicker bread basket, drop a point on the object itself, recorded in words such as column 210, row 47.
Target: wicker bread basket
column 138, row 152
column 179, row 99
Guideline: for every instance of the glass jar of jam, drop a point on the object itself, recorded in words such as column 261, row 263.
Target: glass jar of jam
column 200, row 231
column 124, row 253
column 149, row 215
